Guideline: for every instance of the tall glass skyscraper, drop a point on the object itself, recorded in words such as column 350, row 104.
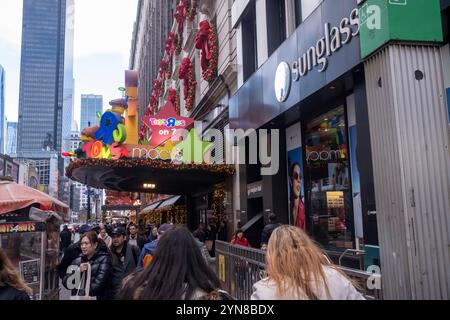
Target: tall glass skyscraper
column 90, row 105
column 42, row 79
column 11, row 138
column 69, row 82
column 2, row 111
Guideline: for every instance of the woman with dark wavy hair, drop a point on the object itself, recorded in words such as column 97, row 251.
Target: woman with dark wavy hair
column 12, row 286
column 178, row 271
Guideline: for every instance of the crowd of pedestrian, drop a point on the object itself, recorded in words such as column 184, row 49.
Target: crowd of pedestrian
column 121, row 261
column 169, row 262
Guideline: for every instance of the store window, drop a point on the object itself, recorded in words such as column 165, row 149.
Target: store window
column 327, row 181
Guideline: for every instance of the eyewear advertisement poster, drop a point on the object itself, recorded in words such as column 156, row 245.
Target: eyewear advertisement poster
column 296, row 191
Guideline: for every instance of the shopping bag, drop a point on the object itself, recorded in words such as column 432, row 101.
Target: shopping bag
column 87, row 286
column 209, row 244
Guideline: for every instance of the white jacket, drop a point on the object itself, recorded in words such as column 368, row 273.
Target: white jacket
column 340, row 289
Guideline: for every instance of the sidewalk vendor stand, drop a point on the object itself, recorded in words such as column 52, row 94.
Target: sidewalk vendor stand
column 29, row 234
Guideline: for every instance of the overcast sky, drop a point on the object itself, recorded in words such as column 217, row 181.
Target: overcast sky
column 103, row 31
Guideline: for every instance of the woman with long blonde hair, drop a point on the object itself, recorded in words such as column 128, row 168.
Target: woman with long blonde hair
column 12, row 286
column 299, row 270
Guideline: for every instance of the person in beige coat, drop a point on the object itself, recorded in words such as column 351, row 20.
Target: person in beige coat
column 298, row 270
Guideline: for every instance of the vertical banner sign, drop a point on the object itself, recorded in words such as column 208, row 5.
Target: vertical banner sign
column 296, row 190
column 356, row 185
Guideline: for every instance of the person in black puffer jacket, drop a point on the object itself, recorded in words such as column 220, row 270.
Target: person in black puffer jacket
column 72, row 252
column 93, row 253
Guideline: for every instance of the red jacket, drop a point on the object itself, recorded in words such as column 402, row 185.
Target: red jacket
column 242, row 242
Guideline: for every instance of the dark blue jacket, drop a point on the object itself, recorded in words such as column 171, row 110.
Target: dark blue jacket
column 149, row 248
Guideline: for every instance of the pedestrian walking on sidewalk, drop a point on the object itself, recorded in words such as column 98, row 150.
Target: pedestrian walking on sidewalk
column 93, row 253
column 134, row 238
column 239, row 239
column 268, row 229
column 104, row 236
column 178, row 272
column 124, row 258
column 299, row 270
column 149, row 249
column 12, row 287
column 66, row 238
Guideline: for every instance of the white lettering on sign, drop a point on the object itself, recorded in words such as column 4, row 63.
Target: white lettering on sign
column 254, row 190
column 325, row 155
column 333, row 40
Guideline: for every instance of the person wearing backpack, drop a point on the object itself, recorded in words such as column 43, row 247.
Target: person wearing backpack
column 178, row 272
column 124, row 258
column 147, row 252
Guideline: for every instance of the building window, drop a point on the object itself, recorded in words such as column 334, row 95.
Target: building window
column 303, row 9
column 276, row 24
column 298, row 12
column 327, row 183
column 249, row 42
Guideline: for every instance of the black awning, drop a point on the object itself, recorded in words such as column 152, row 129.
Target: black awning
column 132, row 175
column 151, row 207
column 171, row 201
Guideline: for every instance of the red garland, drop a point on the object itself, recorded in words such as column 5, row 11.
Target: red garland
column 192, row 12
column 180, row 18
column 206, row 41
column 187, row 74
column 170, row 44
column 169, row 68
column 162, row 70
column 170, row 49
column 174, row 98
column 147, row 164
column 177, row 44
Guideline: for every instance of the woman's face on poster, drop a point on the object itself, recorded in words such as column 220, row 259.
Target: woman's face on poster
column 296, row 181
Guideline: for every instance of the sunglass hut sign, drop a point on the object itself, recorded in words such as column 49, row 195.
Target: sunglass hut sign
column 317, row 56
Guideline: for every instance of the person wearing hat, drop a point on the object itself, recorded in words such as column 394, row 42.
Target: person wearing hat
column 74, row 251
column 124, row 257
column 150, row 247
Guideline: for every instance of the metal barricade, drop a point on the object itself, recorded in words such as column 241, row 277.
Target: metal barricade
column 239, row 268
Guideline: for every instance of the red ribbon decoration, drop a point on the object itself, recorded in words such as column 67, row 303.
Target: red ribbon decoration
column 174, row 99
column 186, row 74
column 180, row 17
column 206, row 42
column 201, row 43
column 169, row 44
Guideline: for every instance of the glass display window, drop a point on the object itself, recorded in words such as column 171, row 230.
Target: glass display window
column 327, row 180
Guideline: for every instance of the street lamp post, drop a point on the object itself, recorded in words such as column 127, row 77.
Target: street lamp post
column 89, row 204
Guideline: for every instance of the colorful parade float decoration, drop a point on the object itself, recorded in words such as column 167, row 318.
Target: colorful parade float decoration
column 114, row 156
